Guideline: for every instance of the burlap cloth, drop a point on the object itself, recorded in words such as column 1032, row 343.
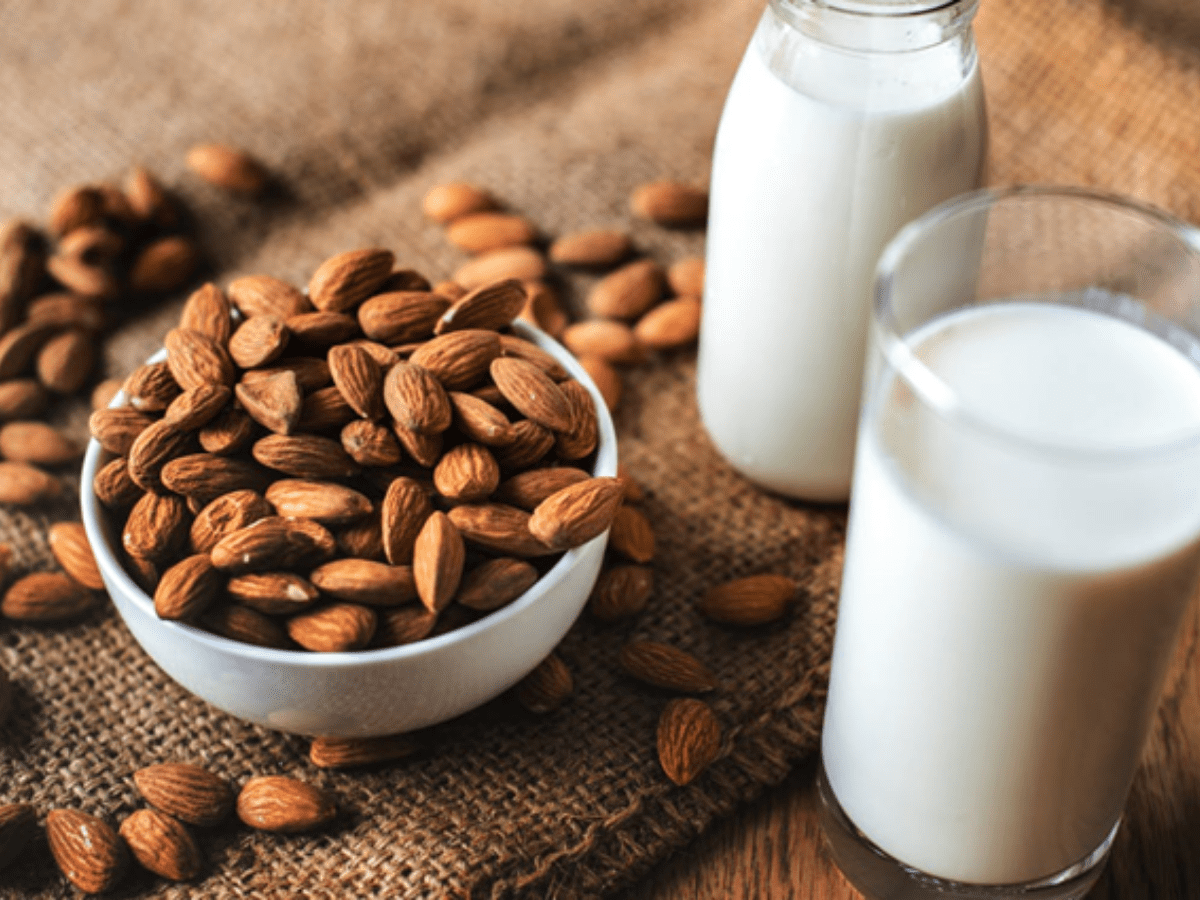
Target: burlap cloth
column 560, row 108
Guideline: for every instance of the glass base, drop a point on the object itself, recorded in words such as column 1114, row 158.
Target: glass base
column 879, row 876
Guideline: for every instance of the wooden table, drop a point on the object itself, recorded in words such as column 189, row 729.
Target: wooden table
column 774, row 848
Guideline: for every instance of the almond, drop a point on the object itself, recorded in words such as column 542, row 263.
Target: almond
column 370, row 443
column 164, row 265
column 500, row 528
column 143, row 572
column 197, row 407
column 633, row 491
column 613, row 342
column 187, row 588
column 326, row 409
column 67, row 311
column 272, row 593
column 345, row 753
column 666, row 666
column 197, row 359
column 425, row 449
column 88, row 850
column 416, row 399
column 157, row 526
column 628, row 292
column 452, row 290
column 161, row 845
column 405, row 508
column 24, row 485
column 406, row 625
column 22, row 261
column 670, row 203
column 225, row 515
column 332, row 629
column 116, row 428
column 274, row 402
column 69, row 544
column 321, row 501
column 605, row 377
column 542, row 308
column 384, row 356
column 263, row 295
column 230, row 431
column 593, row 248
column 511, row 345
column 45, row 597
column 523, row 263
column 363, row 539
column 322, row 328
column 24, row 398
column 271, row 544
column 37, row 443
column 103, row 394
column 479, row 420
column 495, row 583
column 150, row 388
column 631, row 535
column 366, row 582
column 346, row 280
column 584, row 433
column 95, row 245
column 686, row 277
column 438, row 557
column 76, row 207
column 112, row 484
column 755, row 600
column 203, row 477
column 189, row 793
column 621, row 592
column 527, row 489
column 20, row 345
column 545, row 688
column 530, row 442
column 532, row 392
column 577, row 513
column 149, row 200
column 398, row 317
column 160, row 442
column 65, row 362
column 207, row 311
column 491, row 306
column 304, row 456
column 279, row 803
column 248, row 626
column 359, row 378
column 671, row 324
column 458, row 359
column 18, row 825
column 689, row 739
column 258, row 341
column 466, row 473
column 228, row 168
column 83, row 278
column 484, row 231
column 446, row 202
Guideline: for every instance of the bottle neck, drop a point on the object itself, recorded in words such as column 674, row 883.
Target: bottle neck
column 878, row 26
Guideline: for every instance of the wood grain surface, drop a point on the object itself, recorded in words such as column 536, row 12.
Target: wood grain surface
column 774, row 849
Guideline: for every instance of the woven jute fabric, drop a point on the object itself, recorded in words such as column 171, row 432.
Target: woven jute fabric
column 560, row 109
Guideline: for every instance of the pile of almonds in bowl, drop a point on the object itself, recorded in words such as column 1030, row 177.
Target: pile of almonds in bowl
column 367, row 465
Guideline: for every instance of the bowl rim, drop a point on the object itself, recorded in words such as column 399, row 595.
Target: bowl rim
column 98, row 528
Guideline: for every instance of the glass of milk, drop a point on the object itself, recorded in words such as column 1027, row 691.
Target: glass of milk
column 1024, row 538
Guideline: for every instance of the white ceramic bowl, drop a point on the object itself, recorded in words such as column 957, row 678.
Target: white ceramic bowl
column 366, row 692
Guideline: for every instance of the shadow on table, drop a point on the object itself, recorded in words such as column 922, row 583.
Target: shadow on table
column 1175, row 22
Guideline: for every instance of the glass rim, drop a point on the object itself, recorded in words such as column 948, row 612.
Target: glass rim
column 932, row 391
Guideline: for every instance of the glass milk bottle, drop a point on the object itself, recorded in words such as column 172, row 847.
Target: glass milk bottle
column 846, row 119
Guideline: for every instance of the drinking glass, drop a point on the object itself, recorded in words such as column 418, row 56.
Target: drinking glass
column 1023, row 541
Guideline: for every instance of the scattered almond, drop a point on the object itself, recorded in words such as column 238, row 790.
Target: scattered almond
column 332, row 629
column 483, row 231
column 577, row 513
column 686, row 276
column 595, row 248
column 670, row 203
column 621, row 592
column 279, row 803
column 628, row 292
column 446, row 202
column 545, row 688
column 37, row 443
column 756, row 600
column 187, row 792
column 346, row 753
column 666, row 666
column 229, row 168
column 689, row 739
column 45, row 597
column 613, row 342
column 69, row 544
column 24, row 485
column 162, row 845
column 631, row 535
column 671, row 324
column 88, row 850
column 523, row 263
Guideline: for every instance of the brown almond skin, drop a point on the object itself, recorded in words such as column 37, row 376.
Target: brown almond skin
column 37, row 443
column 365, row 582
column 157, row 526
column 230, row 431
column 150, row 388
column 22, row 398
column 605, row 377
column 285, row 805
column 240, row 623
column 187, row 588
column 18, row 825
column 197, row 407
column 203, row 477
column 346, row 753
column 438, row 557
column 149, row 200
column 321, row 329
column 527, row 489
column 304, row 456
column 594, row 248
column 117, row 428
column 24, row 485
column 88, row 850
column 69, row 544
column 577, row 513
column 45, row 597
column 65, row 362
column 458, row 359
column 371, row 443
column 584, row 433
column 272, row 593
column 196, row 359
column 273, row 544
column 499, row 528
column 631, row 535
column 520, row 262
column 276, row 402
column 675, row 323
column 160, row 443
column 689, row 739
column 207, row 311
column 490, row 306
column 686, row 276
column 446, row 202
column 226, row 514
column 162, row 845
column 621, row 592
column 484, row 231
column 670, row 203
column 613, row 342
column 416, row 399
column 628, row 292
column 530, row 442
column 399, row 317
column 325, row 410
column 333, row 629
column 466, row 473
column 347, row 279
column 531, row 392
column 164, row 265
column 545, row 688
column 479, row 420
column 495, row 583
column 405, row 508
column 321, row 501
column 188, row 792
column 405, row 625
column 228, row 168
column 666, row 666
column 543, row 309
column 264, row 295
column 112, row 484
column 359, row 378
column 751, row 601
column 258, row 340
